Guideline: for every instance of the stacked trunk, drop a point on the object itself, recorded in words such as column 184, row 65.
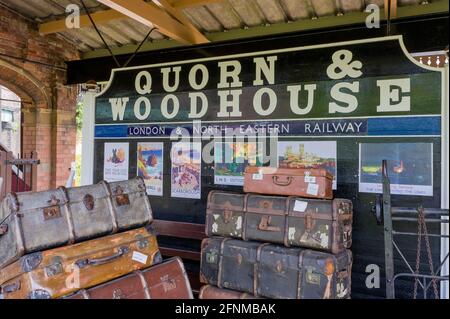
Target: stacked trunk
column 93, row 241
column 289, row 207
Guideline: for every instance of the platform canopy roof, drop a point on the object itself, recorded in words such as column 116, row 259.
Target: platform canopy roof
column 124, row 24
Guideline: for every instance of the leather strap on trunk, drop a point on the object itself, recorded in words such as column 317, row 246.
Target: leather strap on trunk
column 20, row 239
column 256, row 268
column 300, row 273
column 219, row 272
column 244, row 222
column 144, row 284
column 111, row 207
column 68, row 215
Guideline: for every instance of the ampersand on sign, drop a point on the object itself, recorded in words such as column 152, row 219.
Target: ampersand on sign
column 343, row 66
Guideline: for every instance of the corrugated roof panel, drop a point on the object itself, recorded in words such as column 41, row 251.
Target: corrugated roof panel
column 213, row 17
column 225, row 14
column 26, row 8
column 297, row 9
column 127, row 27
column 204, row 18
column 351, row 5
column 272, row 11
column 249, row 12
column 324, row 7
column 379, row 3
column 116, row 33
column 85, row 37
column 409, row 2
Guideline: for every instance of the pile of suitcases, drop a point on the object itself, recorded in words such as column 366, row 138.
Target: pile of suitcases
column 255, row 238
column 85, row 242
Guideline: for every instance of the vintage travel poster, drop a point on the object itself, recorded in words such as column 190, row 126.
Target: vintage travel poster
column 150, row 166
column 186, row 170
column 231, row 158
column 116, row 162
column 309, row 154
column 410, row 168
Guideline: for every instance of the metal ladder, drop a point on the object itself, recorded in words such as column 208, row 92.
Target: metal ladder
column 385, row 214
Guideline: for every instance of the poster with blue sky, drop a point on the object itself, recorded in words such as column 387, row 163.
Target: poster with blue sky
column 150, row 166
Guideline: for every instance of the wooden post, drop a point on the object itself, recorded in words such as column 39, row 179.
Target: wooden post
column 34, row 168
column 2, row 174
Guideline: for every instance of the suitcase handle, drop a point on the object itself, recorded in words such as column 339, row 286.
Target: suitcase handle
column 264, row 225
column 277, row 181
column 100, row 261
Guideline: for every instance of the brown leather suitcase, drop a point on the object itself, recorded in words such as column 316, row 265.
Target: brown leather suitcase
column 68, row 215
column 212, row 292
column 61, row 271
column 164, row 281
column 274, row 271
column 311, row 183
column 292, row 221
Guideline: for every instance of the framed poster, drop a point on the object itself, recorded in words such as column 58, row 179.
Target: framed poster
column 231, row 158
column 309, row 154
column 116, row 158
column 410, row 168
column 150, row 166
column 186, row 170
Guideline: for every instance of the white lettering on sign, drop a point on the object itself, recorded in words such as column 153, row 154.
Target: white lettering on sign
column 265, row 66
column 193, row 76
column 226, row 103
column 392, row 98
column 165, row 106
column 294, row 91
column 257, row 101
column 166, row 78
column 138, row 106
column 349, row 102
column 118, row 106
column 229, row 69
column 342, row 97
column 198, row 99
column 146, row 87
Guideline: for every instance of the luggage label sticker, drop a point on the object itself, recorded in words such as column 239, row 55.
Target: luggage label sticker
column 312, row 278
column 300, row 206
column 139, row 257
column 291, row 233
column 211, row 256
column 258, row 176
column 313, row 189
column 309, row 178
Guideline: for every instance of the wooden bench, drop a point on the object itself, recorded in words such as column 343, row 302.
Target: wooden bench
column 182, row 231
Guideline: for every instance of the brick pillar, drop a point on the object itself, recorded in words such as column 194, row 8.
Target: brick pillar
column 52, row 134
column 65, row 133
column 37, row 137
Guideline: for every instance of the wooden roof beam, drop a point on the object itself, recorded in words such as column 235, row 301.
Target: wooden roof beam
column 151, row 15
column 180, row 16
column 102, row 17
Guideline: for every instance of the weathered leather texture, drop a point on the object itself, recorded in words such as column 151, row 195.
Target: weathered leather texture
column 167, row 280
column 292, row 221
column 39, row 221
column 275, row 271
column 61, row 271
column 311, row 183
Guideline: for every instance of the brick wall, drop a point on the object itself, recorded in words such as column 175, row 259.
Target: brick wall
column 49, row 110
